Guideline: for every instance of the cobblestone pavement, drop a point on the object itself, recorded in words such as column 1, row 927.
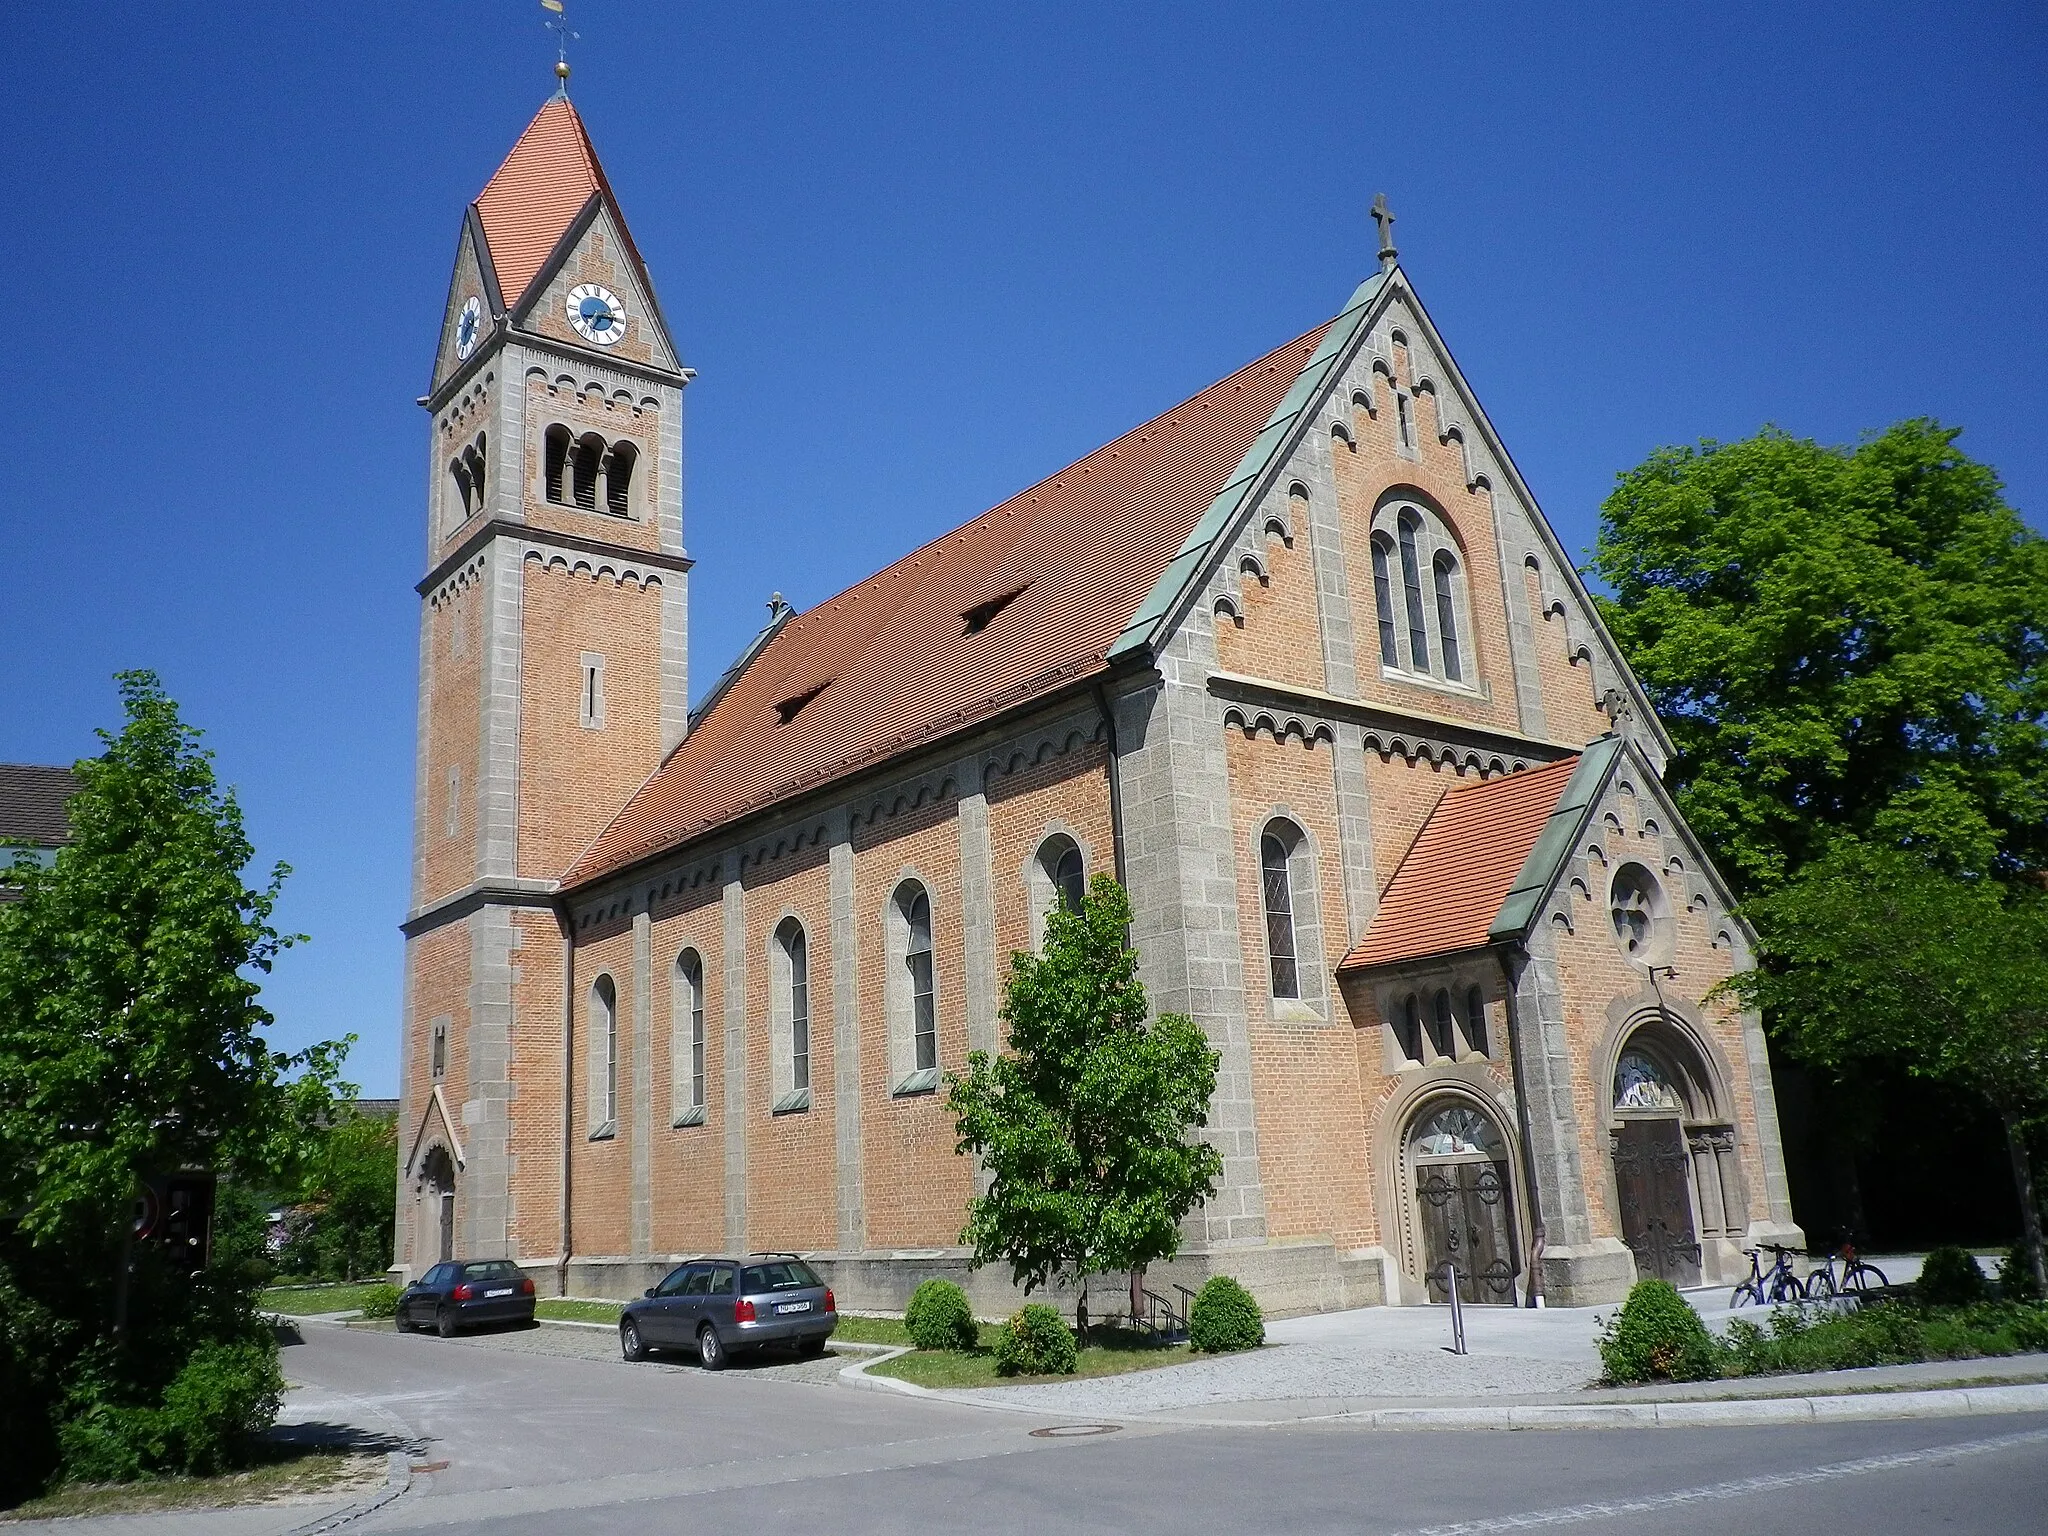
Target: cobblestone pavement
column 582, row 1343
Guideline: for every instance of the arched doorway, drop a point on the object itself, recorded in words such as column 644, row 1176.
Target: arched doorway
column 434, row 1227
column 1464, row 1199
column 1677, row 1179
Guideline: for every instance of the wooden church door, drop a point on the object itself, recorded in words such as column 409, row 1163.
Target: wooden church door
column 1650, row 1165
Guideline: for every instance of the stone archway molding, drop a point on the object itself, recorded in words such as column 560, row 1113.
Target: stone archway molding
column 424, row 1138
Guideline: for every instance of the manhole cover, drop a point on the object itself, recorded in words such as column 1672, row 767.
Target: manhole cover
column 1070, row 1431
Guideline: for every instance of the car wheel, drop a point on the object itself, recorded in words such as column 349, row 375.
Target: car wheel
column 710, row 1349
column 631, row 1345
column 401, row 1322
column 444, row 1322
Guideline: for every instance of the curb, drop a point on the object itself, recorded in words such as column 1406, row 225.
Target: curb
column 397, row 1481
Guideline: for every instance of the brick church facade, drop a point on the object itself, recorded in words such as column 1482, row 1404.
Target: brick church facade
column 1299, row 661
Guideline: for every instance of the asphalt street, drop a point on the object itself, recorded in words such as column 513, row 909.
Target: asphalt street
column 545, row 1443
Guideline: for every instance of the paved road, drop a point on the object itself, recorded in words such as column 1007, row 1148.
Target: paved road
column 540, row 1443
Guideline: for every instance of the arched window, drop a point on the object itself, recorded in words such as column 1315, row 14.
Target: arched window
column 557, row 463
column 604, row 1039
column 458, row 477
column 1475, row 1021
column 1285, row 975
column 1442, row 1036
column 1411, row 582
column 473, row 458
column 1635, row 904
column 796, row 955
column 1070, row 880
column 1446, row 613
column 1408, row 1027
column 1383, row 596
column 584, row 463
column 618, row 479
column 687, row 1047
column 924, row 1016
column 1058, row 879
column 1640, row 1082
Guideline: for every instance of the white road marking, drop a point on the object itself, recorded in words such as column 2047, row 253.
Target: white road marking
column 1742, row 1488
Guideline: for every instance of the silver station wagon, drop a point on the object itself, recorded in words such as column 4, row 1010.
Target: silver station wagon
column 722, row 1307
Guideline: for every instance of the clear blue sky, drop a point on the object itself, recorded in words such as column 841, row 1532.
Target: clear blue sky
column 922, row 257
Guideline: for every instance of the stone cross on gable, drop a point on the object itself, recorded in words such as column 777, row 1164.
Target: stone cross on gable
column 1383, row 216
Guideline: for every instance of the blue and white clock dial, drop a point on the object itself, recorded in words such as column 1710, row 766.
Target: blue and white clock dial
column 469, row 325
column 597, row 314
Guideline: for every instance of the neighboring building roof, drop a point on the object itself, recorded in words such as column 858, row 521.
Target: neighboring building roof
column 538, row 193
column 1023, row 601
column 1472, row 854
column 32, row 804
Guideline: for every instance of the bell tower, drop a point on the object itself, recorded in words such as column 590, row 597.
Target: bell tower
column 553, row 671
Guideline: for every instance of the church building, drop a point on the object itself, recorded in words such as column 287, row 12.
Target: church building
column 1298, row 661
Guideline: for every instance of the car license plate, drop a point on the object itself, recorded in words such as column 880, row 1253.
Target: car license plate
column 505, row 1291
column 793, row 1306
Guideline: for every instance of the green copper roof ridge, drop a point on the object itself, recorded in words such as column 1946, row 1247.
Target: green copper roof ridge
column 1185, row 566
column 1540, row 869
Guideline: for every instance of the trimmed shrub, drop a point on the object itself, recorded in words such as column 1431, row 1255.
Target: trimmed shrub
column 1225, row 1317
column 1950, row 1278
column 1657, row 1336
column 214, row 1411
column 1035, row 1343
column 380, row 1301
column 938, row 1317
column 2016, row 1275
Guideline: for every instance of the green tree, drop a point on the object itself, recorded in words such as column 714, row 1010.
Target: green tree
column 1083, row 1128
column 131, row 1045
column 1842, row 642
column 1871, row 952
column 348, row 1198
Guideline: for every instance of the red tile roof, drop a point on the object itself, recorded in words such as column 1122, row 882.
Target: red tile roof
column 536, row 194
column 893, row 657
column 1451, row 882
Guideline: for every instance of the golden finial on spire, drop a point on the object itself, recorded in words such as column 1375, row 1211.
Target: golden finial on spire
column 558, row 24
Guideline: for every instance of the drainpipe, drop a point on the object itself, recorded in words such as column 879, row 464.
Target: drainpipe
column 564, row 916
column 1536, row 1232
column 1116, row 808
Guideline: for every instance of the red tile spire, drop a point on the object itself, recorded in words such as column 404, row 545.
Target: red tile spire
column 536, row 195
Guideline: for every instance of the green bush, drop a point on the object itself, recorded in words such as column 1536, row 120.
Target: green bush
column 938, row 1317
column 1657, row 1336
column 213, row 1412
column 2016, row 1276
column 380, row 1301
column 1885, row 1334
column 1950, row 1278
column 1035, row 1342
column 1225, row 1317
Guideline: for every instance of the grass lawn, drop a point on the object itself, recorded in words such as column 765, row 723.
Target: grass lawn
column 298, row 1472
column 948, row 1368
column 570, row 1309
column 304, row 1301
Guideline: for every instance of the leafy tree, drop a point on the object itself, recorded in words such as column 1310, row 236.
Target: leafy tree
column 131, row 1046
column 1871, row 952
column 348, row 1200
column 1842, row 642
column 1083, row 1127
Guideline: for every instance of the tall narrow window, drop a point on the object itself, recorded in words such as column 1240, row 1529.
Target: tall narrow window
column 618, row 479
column 557, row 464
column 924, row 1015
column 590, row 703
column 461, row 505
column 1441, row 1037
column 1446, row 614
column 584, row 462
column 604, row 1028
column 473, row 457
column 1286, row 976
column 687, row 1040
column 1383, row 597
column 1069, row 879
column 1475, row 1021
column 1404, row 409
column 440, row 1051
column 453, row 823
column 1408, row 1027
column 798, row 951
column 1411, row 581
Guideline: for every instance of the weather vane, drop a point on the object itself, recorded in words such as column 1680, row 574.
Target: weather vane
column 558, row 24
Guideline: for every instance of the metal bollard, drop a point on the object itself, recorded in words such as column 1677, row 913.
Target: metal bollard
column 1457, row 1310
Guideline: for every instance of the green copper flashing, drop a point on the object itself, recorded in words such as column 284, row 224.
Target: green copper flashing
column 1540, row 869
column 1280, row 429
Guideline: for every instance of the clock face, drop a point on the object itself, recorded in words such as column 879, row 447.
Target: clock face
column 469, row 325
column 597, row 314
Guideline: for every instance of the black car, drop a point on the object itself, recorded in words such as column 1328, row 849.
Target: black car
column 463, row 1293
column 720, row 1307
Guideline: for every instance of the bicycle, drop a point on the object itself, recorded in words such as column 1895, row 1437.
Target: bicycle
column 1769, row 1287
column 1856, row 1278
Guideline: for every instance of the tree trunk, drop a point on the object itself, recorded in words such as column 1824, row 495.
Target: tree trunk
column 1081, row 1312
column 1137, row 1294
column 2023, row 1181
